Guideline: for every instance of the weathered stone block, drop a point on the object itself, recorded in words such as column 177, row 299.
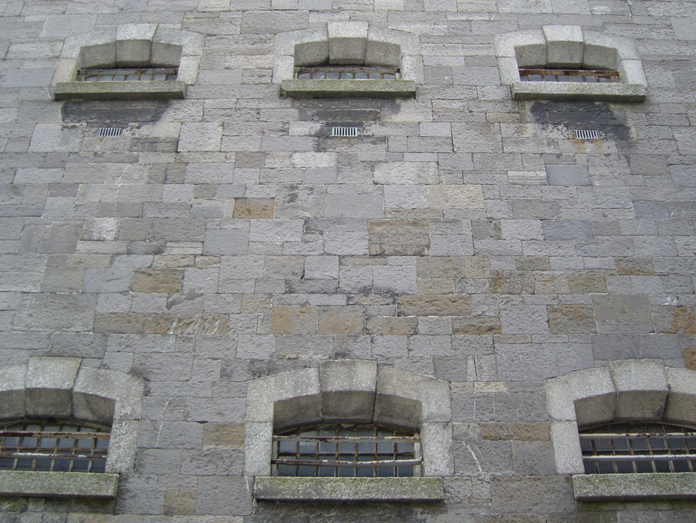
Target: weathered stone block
column 641, row 389
column 348, row 391
column 434, row 305
column 254, row 208
column 568, row 175
column 571, row 319
column 398, row 237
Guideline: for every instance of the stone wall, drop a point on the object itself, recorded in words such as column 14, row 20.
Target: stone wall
column 227, row 237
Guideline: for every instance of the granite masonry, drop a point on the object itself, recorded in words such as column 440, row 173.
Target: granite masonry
column 489, row 261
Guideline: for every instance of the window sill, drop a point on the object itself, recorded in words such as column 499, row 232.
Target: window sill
column 267, row 488
column 609, row 487
column 348, row 89
column 607, row 92
column 58, row 484
column 119, row 90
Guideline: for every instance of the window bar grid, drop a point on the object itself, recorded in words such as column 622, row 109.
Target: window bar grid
column 620, row 449
column 53, row 446
column 127, row 75
column 347, row 73
column 357, row 451
column 569, row 75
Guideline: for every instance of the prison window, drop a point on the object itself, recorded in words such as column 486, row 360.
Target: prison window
column 638, row 448
column 350, row 72
column 127, row 75
column 347, row 451
column 569, row 75
column 54, row 445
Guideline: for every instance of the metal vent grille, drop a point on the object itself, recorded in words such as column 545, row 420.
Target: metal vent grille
column 110, row 131
column 344, row 131
column 584, row 134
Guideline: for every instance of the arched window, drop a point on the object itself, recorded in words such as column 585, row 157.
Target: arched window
column 351, row 431
column 566, row 62
column 54, row 445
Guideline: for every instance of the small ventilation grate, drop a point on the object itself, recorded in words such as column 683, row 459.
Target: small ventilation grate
column 110, row 131
column 584, row 134
column 344, row 131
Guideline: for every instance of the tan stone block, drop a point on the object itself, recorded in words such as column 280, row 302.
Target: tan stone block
column 202, row 324
column 254, row 208
column 455, row 196
column 392, row 325
column 690, row 357
column 118, row 323
column 634, row 267
column 550, row 283
column 434, row 305
column 362, row 261
column 435, row 286
column 398, row 237
column 203, row 262
column 223, row 435
column 173, row 261
column 255, row 303
column 532, row 263
column 80, row 261
column 675, row 319
column 180, row 502
column 477, row 325
column 341, row 320
column 571, row 319
column 441, row 267
column 157, row 280
column 515, row 431
column 158, row 323
column 581, row 282
column 294, row 320
column 512, row 282
column 477, row 267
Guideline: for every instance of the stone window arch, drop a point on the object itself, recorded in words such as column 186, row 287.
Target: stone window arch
column 64, row 388
column 569, row 46
column 347, row 43
column 129, row 45
column 349, row 391
column 626, row 390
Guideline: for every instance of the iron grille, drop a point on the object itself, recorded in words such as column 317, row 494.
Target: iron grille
column 590, row 76
column 347, row 451
column 110, row 131
column 584, row 134
column 350, row 72
column 638, row 448
column 51, row 445
column 344, row 131
column 127, row 75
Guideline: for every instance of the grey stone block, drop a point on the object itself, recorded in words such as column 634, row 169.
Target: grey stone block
column 568, row 230
column 348, row 390
column 633, row 487
column 532, row 495
column 641, row 389
column 56, row 312
column 651, row 211
column 226, row 241
column 12, row 387
column 134, row 44
column 564, row 46
column 107, row 280
column 28, row 78
column 273, row 22
column 568, row 175
column 78, row 345
column 347, row 42
column 49, row 385
column 681, row 401
column 223, row 496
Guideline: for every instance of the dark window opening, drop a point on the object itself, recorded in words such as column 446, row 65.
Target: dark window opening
column 348, row 72
column 569, row 75
column 638, row 448
column 54, row 445
column 127, row 75
column 347, row 451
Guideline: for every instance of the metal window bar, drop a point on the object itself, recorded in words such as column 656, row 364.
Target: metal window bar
column 347, row 451
column 127, row 75
column 50, row 445
column 638, row 448
column 344, row 131
column 350, row 72
column 569, row 75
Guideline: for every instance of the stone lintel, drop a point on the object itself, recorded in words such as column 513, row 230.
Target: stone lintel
column 348, row 88
column 629, row 487
column 120, row 90
column 58, row 484
column 348, row 489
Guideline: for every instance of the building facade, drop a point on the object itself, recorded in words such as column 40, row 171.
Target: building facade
column 464, row 225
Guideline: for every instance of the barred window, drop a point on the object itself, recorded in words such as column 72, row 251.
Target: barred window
column 149, row 74
column 638, row 448
column 348, row 72
column 569, row 75
column 347, row 451
column 54, row 445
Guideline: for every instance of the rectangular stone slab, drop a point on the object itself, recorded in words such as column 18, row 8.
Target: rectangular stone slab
column 58, row 484
column 120, row 90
